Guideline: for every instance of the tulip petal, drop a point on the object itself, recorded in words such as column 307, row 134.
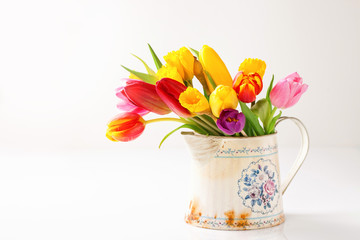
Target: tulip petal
column 130, row 133
column 247, row 93
column 231, row 121
column 169, row 91
column 216, row 68
column 294, row 77
column 125, row 127
column 126, row 105
column 280, row 94
column 145, row 96
column 253, row 65
column 297, row 96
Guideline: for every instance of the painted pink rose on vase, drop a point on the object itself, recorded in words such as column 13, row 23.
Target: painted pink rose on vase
column 269, row 187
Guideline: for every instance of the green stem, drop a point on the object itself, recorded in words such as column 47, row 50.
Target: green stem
column 210, row 124
column 165, row 119
column 194, row 123
column 268, row 120
column 202, row 124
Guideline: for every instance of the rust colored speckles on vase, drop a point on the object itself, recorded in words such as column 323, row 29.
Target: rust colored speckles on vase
column 194, row 213
column 240, row 221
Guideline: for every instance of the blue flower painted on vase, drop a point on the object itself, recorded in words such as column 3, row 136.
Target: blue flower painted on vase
column 258, row 186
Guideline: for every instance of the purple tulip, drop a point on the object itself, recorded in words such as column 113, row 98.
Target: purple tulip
column 231, row 121
column 288, row 91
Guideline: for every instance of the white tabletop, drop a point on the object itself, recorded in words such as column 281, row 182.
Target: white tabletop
column 142, row 194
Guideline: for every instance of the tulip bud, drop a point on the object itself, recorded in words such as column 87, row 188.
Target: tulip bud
column 288, row 91
column 231, row 121
column 213, row 65
column 248, row 82
column 247, row 86
column 125, row 127
column 221, row 98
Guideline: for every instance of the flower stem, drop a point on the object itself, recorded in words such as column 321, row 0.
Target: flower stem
column 268, row 120
column 196, row 124
column 210, row 124
column 243, row 133
column 202, row 124
column 165, row 119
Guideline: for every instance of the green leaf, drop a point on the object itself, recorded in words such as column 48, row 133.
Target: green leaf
column 205, row 94
column 208, row 118
column 261, row 109
column 195, row 52
column 269, row 90
column 273, row 122
column 195, row 128
column 210, row 79
column 143, row 76
column 247, row 129
column 252, row 118
column 148, row 69
column 155, row 57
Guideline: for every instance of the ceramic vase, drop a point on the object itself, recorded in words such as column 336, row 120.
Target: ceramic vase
column 236, row 181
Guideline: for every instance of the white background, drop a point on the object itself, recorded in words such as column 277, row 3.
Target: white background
column 59, row 66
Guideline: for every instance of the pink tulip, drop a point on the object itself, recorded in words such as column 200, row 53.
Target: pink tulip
column 140, row 97
column 288, row 91
column 126, row 104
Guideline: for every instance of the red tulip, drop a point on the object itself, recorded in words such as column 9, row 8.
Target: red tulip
column 169, row 91
column 247, row 86
column 143, row 95
column 126, row 104
column 125, row 127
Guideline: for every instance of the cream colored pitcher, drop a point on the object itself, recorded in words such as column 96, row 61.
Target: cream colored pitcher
column 236, row 180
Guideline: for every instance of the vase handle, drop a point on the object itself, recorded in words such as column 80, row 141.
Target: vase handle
column 301, row 155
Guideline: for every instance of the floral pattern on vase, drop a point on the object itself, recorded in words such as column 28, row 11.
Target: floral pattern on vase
column 259, row 186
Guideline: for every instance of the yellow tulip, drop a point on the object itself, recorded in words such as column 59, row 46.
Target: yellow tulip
column 169, row 72
column 221, row 98
column 183, row 60
column 194, row 101
column 214, row 66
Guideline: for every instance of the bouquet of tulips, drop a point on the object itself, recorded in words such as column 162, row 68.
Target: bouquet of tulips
column 212, row 110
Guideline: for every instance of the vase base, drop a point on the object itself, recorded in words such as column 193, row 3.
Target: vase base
column 234, row 224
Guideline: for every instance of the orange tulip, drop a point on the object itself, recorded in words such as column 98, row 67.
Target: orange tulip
column 125, row 127
column 248, row 82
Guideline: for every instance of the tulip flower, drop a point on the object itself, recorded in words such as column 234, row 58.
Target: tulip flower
column 143, row 96
column 221, row 98
column 215, row 67
column 248, row 82
column 183, row 60
column 126, row 104
column 169, row 91
column 194, row 101
column 287, row 92
column 125, row 127
column 231, row 121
